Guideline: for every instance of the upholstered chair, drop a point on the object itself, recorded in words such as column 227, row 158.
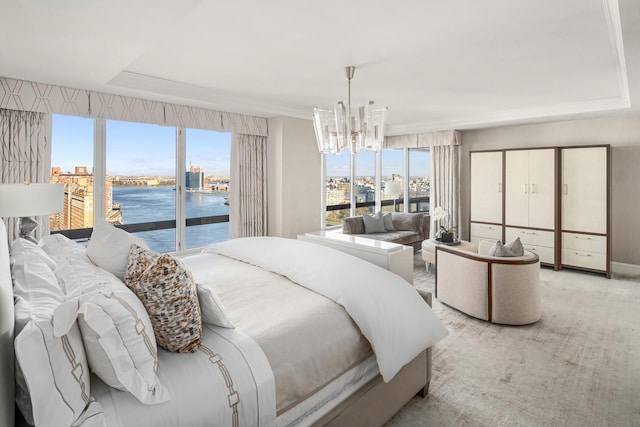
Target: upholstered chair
column 502, row 290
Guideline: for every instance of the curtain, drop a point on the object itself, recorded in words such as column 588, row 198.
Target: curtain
column 25, row 154
column 445, row 174
column 248, row 198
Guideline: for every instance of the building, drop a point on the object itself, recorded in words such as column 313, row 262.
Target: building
column 78, row 200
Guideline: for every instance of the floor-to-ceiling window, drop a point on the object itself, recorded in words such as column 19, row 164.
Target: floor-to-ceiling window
column 72, row 165
column 141, row 164
column 207, row 184
column 404, row 173
column 419, row 179
column 337, row 187
column 140, row 180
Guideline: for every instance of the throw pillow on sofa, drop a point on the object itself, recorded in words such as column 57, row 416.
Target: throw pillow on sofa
column 373, row 223
column 388, row 221
column 511, row 249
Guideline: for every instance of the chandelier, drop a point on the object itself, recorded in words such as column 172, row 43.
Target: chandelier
column 336, row 129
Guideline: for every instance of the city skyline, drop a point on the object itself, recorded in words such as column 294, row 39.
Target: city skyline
column 138, row 149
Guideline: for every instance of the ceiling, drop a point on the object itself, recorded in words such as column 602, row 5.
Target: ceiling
column 459, row 64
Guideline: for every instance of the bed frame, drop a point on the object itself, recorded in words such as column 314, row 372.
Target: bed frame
column 372, row 404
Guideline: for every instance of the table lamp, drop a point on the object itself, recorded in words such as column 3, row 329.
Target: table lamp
column 27, row 200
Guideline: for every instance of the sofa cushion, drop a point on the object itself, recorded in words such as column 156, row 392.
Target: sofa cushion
column 353, row 225
column 373, row 223
column 407, row 221
column 388, row 221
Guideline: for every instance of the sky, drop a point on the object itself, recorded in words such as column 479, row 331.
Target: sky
column 146, row 149
column 392, row 162
column 137, row 148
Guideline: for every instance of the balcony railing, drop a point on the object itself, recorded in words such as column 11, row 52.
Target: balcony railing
column 422, row 204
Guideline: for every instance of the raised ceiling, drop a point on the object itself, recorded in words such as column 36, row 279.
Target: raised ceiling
column 437, row 65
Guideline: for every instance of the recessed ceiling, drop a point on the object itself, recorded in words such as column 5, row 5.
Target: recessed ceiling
column 437, row 65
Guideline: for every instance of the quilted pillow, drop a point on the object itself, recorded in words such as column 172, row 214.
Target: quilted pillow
column 169, row 293
column 109, row 247
column 373, row 223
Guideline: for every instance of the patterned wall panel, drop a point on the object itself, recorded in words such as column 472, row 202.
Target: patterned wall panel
column 29, row 96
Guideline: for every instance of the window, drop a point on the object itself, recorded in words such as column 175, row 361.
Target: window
column 141, row 165
column 365, row 182
column 419, row 179
column 207, row 184
column 402, row 171
column 72, row 165
column 393, row 180
column 337, row 187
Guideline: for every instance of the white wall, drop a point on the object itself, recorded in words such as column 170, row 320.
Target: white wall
column 622, row 133
column 293, row 173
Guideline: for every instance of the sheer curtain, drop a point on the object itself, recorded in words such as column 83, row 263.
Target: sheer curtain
column 248, row 198
column 445, row 173
column 25, row 154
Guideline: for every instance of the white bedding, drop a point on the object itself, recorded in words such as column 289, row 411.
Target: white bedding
column 226, row 382
column 389, row 312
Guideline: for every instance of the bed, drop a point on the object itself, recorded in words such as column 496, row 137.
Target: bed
column 341, row 360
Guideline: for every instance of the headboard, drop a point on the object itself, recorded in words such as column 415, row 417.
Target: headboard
column 7, row 379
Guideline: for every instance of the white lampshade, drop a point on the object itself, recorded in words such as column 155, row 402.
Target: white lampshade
column 24, row 200
column 393, row 188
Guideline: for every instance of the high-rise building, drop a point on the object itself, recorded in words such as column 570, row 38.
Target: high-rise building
column 194, row 178
column 78, row 200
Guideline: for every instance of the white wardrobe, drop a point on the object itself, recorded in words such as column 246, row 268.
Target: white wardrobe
column 530, row 200
column 556, row 199
column 585, row 208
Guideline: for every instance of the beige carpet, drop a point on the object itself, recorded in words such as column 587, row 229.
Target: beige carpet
column 578, row 366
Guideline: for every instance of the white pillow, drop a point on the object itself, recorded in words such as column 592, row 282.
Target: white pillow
column 59, row 246
column 24, row 247
column 120, row 343
column 211, row 307
column 109, row 247
column 52, row 374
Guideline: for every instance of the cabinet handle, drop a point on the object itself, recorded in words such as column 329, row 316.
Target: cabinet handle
column 578, row 253
column 582, row 238
column 532, row 249
column 533, row 188
column 528, row 232
column 488, row 227
column 525, row 188
column 565, row 189
column 499, row 187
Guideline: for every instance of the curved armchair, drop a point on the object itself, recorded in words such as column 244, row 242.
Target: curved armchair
column 502, row 290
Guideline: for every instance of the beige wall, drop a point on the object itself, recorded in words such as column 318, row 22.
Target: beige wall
column 622, row 133
column 293, row 173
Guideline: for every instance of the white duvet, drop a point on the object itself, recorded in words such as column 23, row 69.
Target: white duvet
column 389, row 312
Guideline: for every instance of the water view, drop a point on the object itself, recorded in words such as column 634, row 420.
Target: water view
column 147, row 204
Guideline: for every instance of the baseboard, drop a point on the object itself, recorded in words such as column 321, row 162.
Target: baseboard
column 626, row 269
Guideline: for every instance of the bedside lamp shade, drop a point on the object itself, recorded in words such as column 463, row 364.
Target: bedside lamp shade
column 25, row 200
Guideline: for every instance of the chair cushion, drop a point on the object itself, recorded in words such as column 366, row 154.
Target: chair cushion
column 407, row 221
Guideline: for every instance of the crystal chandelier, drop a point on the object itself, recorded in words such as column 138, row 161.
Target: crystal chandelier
column 336, row 129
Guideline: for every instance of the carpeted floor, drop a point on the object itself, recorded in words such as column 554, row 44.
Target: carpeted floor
column 578, row 366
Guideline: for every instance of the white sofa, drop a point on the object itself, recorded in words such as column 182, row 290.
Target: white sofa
column 502, row 290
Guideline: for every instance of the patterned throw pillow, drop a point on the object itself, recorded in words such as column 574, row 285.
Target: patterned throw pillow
column 511, row 249
column 168, row 291
column 138, row 261
column 515, row 246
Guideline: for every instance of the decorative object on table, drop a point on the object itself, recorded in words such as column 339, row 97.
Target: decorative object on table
column 446, row 234
column 30, row 199
column 336, row 129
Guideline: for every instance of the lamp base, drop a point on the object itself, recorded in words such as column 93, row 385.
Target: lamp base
column 27, row 225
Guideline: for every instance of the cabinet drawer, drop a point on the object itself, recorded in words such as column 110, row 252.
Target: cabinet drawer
column 545, row 253
column 584, row 242
column 486, row 231
column 576, row 258
column 531, row 237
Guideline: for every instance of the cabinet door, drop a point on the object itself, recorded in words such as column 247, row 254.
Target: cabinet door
column 486, row 187
column 542, row 192
column 584, row 189
column 516, row 188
